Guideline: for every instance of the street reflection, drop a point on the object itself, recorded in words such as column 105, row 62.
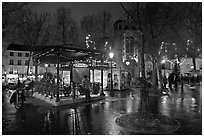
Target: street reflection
column 99, row 118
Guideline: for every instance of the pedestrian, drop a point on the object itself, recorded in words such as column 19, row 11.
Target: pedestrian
column 53, row 80
column 170, row 79
column 176, row 81
column 86, row 85
column 181, row 81
column 164, row 82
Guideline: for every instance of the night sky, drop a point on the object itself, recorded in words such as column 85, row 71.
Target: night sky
column 81, row 9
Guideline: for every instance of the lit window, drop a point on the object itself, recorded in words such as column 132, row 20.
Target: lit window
column 11, row 54
column 11, row 62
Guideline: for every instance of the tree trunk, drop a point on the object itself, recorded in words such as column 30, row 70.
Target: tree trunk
column 159, row 80
column 194, row 63
column 154, row 73
column 142, row 58
column 36, row 70
column 28, row 65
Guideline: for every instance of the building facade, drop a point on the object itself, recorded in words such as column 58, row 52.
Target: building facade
column 16, row 60
column 126, row 47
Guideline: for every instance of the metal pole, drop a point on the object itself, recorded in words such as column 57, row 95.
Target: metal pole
column 46, row 72
column 71, row 80
column 111, row 92
column 102, row 93
column 164, row 71
column 36, row 69
column 58, row 60
column 93, row 74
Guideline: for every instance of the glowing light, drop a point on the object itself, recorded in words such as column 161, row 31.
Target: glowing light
column 192, row 66
column 106, row 43
column 127, row 63
column 136, row 59
column 46, row 65
column 163, row 61
column 111, row 55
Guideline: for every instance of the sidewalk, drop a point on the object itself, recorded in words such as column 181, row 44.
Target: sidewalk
column 196, row 85
column 152, row 91
column 66, row 100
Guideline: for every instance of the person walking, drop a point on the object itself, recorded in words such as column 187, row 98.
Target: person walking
column 86, row 85
column 176, row 81
column 181, row 82
column 164, row 82
column 170, row 80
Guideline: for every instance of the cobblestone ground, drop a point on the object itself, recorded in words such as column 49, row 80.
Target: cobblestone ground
column 99, row 118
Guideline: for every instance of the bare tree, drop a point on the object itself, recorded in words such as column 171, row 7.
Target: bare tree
column 33, row 30
column 191, row 29
column 99, row 27
column 186, row 33
column 66, row 30
column 152, row 19
column 9, row 11
column 105, row 23
column 89, row 25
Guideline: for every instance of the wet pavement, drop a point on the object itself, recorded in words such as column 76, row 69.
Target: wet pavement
column 99, row 118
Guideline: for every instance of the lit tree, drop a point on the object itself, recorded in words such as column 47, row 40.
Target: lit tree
column 97, row 27
column 189, row 29
column 193, row 27
column 154, row 18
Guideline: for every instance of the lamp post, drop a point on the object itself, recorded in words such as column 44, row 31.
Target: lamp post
column 46, row 65
column 129, row 78
column 127, row 63
column 192, row 76
column 111, row 55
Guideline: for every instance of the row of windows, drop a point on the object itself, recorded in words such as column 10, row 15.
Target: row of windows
column 11, row 62
column 19, row 54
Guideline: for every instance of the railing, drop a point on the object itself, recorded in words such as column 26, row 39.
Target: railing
column 50, row 90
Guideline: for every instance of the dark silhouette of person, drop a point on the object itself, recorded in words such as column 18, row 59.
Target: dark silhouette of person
column 20, row 86
column 182, row 82
column 164, row 82
column 86, row 84
column 176, row 81
column 170, row 80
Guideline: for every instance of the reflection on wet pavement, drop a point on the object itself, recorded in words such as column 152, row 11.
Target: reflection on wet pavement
column 99, row 118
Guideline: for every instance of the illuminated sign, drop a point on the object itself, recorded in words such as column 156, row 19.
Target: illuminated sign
column 80, row 65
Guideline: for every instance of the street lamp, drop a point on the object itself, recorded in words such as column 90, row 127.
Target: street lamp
column 127, row 63
column 111, row 55
column 46, row 65
column 192, row 80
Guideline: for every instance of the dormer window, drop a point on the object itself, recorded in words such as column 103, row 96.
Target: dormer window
column 11, row 54
column 19, row 54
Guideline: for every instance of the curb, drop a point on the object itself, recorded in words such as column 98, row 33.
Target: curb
column 66, row 101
